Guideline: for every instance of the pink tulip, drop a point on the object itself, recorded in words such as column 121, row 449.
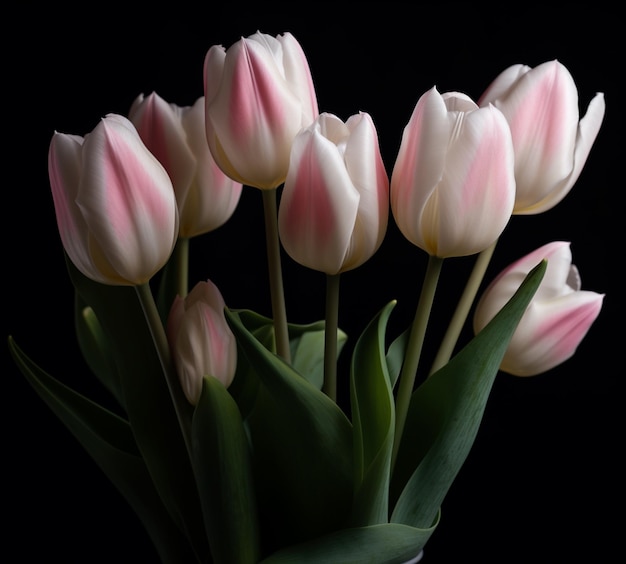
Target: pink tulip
column 176, row 136
column 114, row 203
column 551, row 144
column 259, row 93
column 452, row 186
column 557, row 319
column 201, row 341
column 335, row 203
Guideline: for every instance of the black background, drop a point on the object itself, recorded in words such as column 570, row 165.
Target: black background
column 543, row 482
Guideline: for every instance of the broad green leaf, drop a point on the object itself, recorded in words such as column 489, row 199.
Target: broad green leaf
column 302, row 445
column 306, row 343
column 373, row 420
column 446, row 411
column 147, row 399
column 395, row 356
column 388, row 543
column 109, row 440
column 96, row 348
column 223, row 468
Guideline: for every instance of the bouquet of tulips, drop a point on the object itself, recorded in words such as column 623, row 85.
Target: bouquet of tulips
column 229, row 441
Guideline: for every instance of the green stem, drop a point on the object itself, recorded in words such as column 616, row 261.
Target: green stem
column 414, row 350
column 182, row 407
column 279, row 314
column 462, row 309
column 330, row 336
column 181, row 266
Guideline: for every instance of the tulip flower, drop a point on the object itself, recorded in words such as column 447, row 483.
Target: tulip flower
column 557, row 319
column 201, row 341
column 259, row 93
column 206, row 197
column 335, row 202
column 551, row 144
column 114, row 203
column 453, row 186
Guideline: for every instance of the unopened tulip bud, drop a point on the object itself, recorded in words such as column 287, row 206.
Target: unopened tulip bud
column 114, row 203
column 557, row 319
column 259, row 93
column 201, row 341
column 206, row 197
column 335, row 203
column 551, row 144
column 452, row 186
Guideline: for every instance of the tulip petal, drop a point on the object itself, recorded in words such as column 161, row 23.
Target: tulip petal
column 128, row 202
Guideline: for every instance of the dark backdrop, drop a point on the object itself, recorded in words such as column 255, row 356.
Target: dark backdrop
column 544, row 480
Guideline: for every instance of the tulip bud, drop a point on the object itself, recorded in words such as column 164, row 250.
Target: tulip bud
column 201, row 341
column 551, row 144
column 205, row 196
column 114, row 203
column 557, row 318
column 259, row 93
column 335, row 202
column 452, row 186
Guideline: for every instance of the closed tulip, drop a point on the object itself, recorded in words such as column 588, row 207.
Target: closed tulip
column 557, row 319
column 114, row 203
column 551, row 144
column 334, row 208
column 259, row 93
column 206, row 197
column 452, row 186
column 201, row 341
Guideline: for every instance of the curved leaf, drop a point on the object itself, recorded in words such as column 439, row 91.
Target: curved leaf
column 373, row 420
column 388, row 543
column 223, row 469
column 147, row 399
column 109, row 440
column 95, row 348
column 302, row 445
column 445, row 413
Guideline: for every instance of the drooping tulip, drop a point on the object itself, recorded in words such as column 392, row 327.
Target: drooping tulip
column 452, row 185
column 259, row 93
column 114, row 203
column 335, row 204
column 201, row 341
column 551, row 144
column 176, row 136
column 557, row 319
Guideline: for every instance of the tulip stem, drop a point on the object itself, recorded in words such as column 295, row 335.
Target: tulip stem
column 181, row 406
column 181, row 256
column 281, row 333
column 414, row 349
column 330, row 336
column 462, row 309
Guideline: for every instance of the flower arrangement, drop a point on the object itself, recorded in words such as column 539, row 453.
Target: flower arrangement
column 240, row 450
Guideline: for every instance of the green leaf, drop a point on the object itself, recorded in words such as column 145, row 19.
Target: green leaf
column 302, row 446
column 149, row 406
column 224, row 472
column 395, row 356
column 109, row 440
column 373, row 420
column 446, row 411
column 388, row 543
column 96, row 348
column 306, row 343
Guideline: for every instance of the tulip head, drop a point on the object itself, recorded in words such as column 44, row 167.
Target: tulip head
column 452, row 186
column 557, row 319
column 335, row 203
column 259, row 93
column 551, row 144
column 205, row 196
column 114, row 203
column 201, row 341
